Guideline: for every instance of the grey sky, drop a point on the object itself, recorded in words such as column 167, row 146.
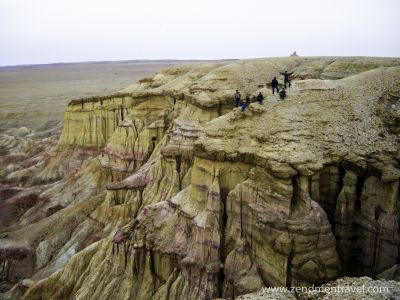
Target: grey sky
column 46, row 31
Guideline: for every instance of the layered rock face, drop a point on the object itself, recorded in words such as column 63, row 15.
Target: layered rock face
column 165, row 191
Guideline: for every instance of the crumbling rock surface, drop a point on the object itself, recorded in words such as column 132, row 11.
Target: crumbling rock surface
column 166, row 191
column 347, row 288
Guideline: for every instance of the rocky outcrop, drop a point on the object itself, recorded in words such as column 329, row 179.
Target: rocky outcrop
column 90, row 122
column 163, row 191
column 348, row 288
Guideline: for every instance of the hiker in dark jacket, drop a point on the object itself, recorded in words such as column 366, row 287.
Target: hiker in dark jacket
column 247, row 103
column 286, row 77
column 282, row 94
column 237, row 97
column 274, row 85
column 260, row 98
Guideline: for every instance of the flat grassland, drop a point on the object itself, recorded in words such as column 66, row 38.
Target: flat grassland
column 36, row 96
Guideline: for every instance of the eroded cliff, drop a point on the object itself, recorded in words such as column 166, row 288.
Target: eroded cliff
column 165, row 191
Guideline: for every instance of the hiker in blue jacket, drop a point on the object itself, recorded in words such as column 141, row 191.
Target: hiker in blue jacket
column 247, row 103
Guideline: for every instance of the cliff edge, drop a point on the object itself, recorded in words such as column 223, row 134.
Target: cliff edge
column 166, row 191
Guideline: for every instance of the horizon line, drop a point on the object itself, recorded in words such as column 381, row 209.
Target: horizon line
column 113, row 61
column 180, row 60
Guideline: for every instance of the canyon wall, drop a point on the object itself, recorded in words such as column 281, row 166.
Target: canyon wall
column 165, row 191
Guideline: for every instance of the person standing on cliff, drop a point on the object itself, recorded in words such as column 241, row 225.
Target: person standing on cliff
column 237, row 97
column 260, row 98
column 286, row 78
column 274, row 85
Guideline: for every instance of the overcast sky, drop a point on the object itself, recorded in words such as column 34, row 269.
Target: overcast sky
column 48, row 31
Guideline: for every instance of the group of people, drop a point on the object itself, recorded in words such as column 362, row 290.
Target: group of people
column 260, row 97
column 237, row 96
